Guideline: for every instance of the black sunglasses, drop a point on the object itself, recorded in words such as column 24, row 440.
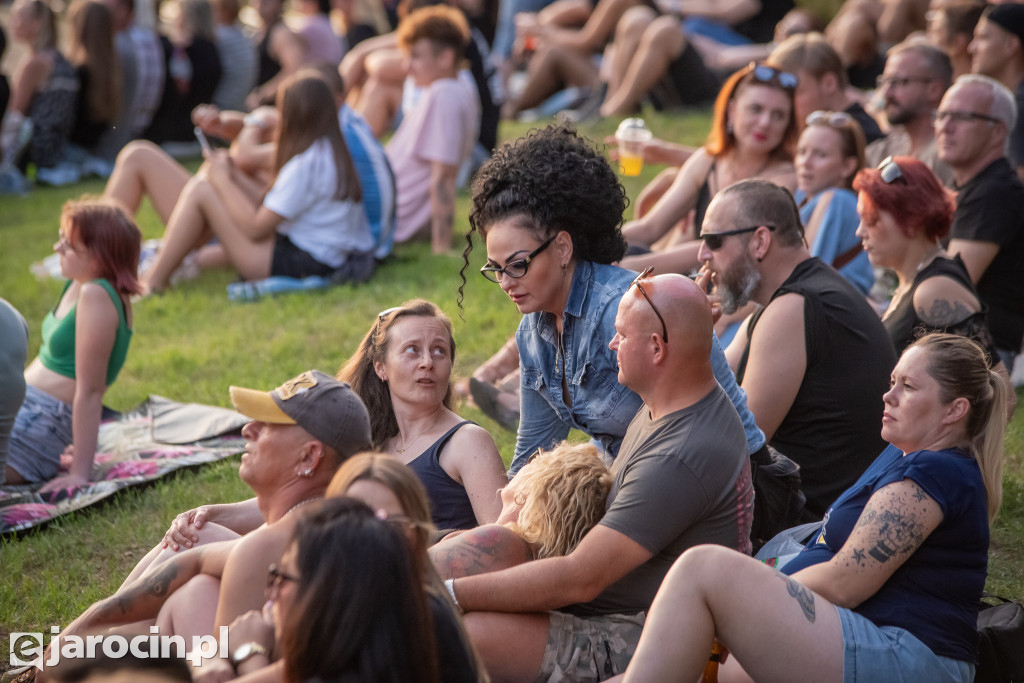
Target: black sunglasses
column 891, row 171
column 515, row 269
column 769, row 74
column 714, row 240
column 636, row 281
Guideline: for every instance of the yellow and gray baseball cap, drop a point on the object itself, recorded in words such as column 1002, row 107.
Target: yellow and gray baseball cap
column 323, row 406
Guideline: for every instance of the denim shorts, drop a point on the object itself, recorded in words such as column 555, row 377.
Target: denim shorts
column 42, row 430
column 889, row 654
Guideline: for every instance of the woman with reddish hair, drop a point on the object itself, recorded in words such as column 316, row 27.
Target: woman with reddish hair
column 85, row 343
column 753, row 135
column 904, row 212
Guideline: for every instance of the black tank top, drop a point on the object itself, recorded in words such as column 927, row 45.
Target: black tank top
column 449, row 502
column 832, row 430
column 268, row 66
column 904, row 326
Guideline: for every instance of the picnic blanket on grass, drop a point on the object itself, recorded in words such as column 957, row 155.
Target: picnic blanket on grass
column 158, row 437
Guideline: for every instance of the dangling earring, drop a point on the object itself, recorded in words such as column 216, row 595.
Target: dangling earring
column 565, row 267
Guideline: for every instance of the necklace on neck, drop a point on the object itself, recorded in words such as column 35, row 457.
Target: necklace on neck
column 300, row 504
column 420, row 435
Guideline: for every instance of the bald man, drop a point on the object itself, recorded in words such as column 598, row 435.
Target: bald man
column 682, row 478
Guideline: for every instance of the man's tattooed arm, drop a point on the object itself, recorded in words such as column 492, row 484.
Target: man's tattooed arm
column 144, row 597
column 484, row 549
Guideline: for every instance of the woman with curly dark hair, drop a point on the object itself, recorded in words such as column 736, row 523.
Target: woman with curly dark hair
column 549, row 209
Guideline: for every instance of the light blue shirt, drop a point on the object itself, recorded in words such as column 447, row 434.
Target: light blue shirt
column 601, row 407
column 836, row 234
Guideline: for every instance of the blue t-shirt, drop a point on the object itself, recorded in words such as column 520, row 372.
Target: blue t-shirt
column 935, row 594
column 601, row 407
column 836, row 234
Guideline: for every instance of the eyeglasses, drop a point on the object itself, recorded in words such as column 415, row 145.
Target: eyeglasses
column 714, row 240
column 275, row 577
column 891, row 171
column 515, row 269
column 963, row 117
column 900, row 81
column 769, row 74
column 63, row 242
column 835, row 119
column 636, row 281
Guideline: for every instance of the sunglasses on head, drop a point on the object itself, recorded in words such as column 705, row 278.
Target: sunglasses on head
column 715, row 240
column 769, row 74
column 636, row 281
column 515, row 269
column 891, row 171
column 835, row 119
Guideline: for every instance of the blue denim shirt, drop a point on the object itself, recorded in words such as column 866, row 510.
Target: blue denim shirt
column 601, row 407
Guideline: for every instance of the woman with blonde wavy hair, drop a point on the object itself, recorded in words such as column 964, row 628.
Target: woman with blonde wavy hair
column 547, row 509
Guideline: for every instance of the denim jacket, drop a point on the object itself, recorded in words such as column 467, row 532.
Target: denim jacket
column 601, row 407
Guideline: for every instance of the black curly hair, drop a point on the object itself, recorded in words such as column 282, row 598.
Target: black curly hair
column 551, row 180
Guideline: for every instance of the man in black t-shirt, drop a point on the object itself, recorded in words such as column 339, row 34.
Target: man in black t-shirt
column 971, row 128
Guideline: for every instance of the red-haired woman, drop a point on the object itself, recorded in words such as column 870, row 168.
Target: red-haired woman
column 85, row 343
column 904, row 212
column 753, row 135
column 309, row 222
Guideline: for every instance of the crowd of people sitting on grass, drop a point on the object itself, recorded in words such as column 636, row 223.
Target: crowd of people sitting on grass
column 810, row 318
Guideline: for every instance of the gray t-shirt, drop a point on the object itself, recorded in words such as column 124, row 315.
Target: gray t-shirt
column 13, row 349
column 680, row 481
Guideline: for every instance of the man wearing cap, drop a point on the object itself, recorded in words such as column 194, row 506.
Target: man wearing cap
column 300, row 434
column 997, row 51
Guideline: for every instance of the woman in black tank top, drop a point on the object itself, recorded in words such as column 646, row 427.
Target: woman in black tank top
column 905, row 211
column 402, row 371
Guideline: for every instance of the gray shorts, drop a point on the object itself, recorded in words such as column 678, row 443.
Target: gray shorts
column 589, row 649
column 41, row 431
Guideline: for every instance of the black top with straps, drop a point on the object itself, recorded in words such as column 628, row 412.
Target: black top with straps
column 904, row 325
column 449, row 503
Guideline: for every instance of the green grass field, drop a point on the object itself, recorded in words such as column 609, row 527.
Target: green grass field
column 191, row 343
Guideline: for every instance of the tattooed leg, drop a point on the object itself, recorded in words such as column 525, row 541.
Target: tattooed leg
column 803, row 595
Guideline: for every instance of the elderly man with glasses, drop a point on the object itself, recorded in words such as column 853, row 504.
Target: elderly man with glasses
column 972, row 127
column 815, row 359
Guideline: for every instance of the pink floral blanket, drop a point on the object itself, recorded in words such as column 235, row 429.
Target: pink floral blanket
column 156, row 438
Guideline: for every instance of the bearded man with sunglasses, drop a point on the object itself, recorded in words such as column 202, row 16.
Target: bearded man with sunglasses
column 815, row 360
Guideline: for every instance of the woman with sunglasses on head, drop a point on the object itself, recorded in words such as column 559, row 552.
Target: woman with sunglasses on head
column 828, row 155
column 753, row 134
column 889, row 590
column 905, row 211
column 402, row 370
column 548, row 208
column 85, row 344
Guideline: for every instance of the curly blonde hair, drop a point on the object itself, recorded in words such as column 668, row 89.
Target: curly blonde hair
column 563, row 496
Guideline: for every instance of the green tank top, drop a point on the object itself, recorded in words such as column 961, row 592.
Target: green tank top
column 58, row 350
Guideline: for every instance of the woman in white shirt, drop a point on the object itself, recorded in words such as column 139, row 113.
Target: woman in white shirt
column 309, row 222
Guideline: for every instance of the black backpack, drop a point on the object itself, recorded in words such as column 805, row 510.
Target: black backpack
column 1001, row 641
